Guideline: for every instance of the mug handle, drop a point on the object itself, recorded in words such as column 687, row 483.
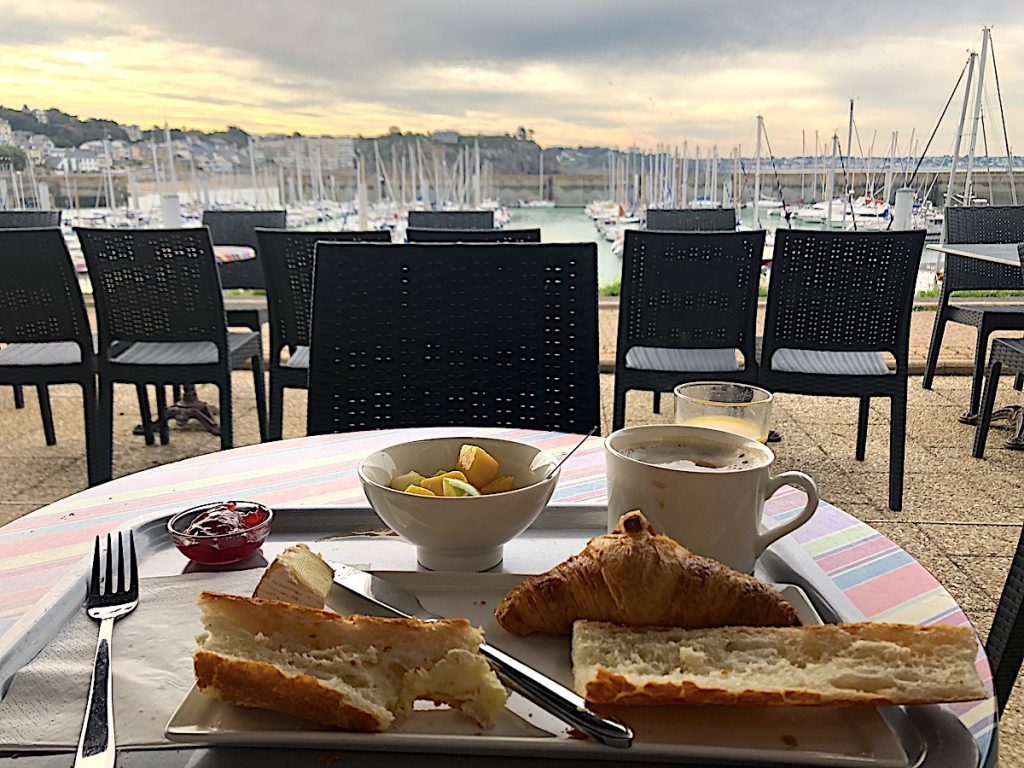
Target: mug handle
column 798, row 480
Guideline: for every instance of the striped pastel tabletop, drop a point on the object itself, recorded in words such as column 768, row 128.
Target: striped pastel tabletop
column 38, row 550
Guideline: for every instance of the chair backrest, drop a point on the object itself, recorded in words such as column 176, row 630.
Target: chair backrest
column 842, row 291
column 472, row 235
column 29, row 219
column 692, row 219
column 154, row 285
column 689, row 290
column 1005, row 643
column 40, row 299
column 239, row 228
column 287, row 258
column 472, row 334
column 984, row 224
column 981, row 224
column 451, row 219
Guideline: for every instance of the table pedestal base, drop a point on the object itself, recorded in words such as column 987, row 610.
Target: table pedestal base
column 187, row 408
column 1013, row 415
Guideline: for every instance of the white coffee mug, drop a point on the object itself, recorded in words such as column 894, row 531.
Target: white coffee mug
column 713, row 512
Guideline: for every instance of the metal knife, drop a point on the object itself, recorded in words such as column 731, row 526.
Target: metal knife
column 525, row 680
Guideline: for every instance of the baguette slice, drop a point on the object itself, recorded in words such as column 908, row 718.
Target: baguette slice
column 352, row 672
column 637, row 577
column 876, row 664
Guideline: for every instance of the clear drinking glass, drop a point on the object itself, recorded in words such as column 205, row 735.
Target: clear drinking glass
column 741, row 409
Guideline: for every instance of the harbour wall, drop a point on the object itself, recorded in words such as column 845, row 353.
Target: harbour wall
column 87, row 190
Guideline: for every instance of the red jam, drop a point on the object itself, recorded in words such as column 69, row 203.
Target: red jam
column 221, row 533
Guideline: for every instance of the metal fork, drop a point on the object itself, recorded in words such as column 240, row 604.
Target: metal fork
column 105, row 605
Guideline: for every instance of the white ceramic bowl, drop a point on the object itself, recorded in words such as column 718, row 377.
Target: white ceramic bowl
column 465, row 533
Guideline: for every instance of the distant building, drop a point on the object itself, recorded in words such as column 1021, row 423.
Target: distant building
column 73, row 161
column 446, row 137
column 6, row 135
column 332, row 153
column 133, row 132
column 41, row 117
column 36, row 146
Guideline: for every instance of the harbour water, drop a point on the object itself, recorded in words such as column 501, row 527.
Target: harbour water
column 572, row 225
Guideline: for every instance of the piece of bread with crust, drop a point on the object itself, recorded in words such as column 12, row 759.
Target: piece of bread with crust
column 351, row 672
column 634, row 576
column 867, row 663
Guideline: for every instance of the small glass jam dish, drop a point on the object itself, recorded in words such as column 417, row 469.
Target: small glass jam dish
column 221, row 532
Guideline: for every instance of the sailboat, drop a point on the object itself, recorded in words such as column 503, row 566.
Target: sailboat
column 540, row 201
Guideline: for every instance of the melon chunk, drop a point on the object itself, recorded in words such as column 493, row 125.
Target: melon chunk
column 499, row 485
column 479, row 466
column 418, row 491
column 436, row 483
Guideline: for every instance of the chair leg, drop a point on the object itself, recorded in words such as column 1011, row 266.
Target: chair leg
column 105, row 432
column 161, row 414
column 276, row 427
column 261, row 394
column 938, row 329
column 1018, row 381
column 47, row 413
column 147, row 417
column 985, row 415
column 619, row 407
column 862, row 427
column 176, row 392
column 92, row 441
column 897, row 447
column 657, row 401
column 19, row 396
column 980, row 358
column 226, row 422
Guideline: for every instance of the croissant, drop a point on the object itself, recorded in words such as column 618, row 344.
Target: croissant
column 636, row 577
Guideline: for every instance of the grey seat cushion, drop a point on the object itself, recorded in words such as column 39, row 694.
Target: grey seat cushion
column 180, row 352
column 41, row 353
column 688, row 360
column 299, row 360
column 830, row 363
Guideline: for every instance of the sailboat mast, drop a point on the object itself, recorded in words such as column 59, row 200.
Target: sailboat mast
column 714, row 175
column 757, row 173
column 540, row 176
column 978, row 93
column 803, row 159
column 831, row 183
column 849, row 163
column 686, row 171
column 252, row 173
column 960, row 130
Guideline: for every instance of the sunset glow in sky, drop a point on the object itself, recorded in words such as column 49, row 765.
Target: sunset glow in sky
column 598, row 72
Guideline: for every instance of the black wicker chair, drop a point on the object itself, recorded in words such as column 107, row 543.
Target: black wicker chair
column 1006, row 353
column 161, row 321
column 692, row 219
column 476, row 335
column 239, row 228
column 451, row 219
column 688, row 304
column 29, row 219
column 45, row 327
column 1005, row 643
column 472, row 235
column 836, row 302
column 977, row 224
column 287, row 257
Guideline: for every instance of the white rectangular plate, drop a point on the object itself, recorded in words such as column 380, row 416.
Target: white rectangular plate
column 835, row 736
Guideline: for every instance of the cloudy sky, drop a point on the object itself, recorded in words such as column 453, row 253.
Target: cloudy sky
column 612, row 73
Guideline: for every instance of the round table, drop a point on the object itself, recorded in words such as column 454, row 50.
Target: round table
column 44, row 549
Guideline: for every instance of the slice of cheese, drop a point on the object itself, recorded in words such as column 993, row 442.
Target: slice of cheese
column 298, row 575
